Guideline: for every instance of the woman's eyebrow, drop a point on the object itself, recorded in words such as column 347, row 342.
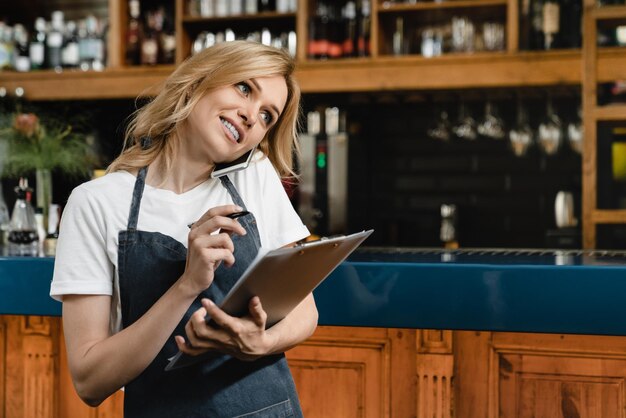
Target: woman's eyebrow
column 258, row 87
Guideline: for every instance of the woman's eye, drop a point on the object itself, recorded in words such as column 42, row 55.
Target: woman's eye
column 244, row 88
column 267, row 117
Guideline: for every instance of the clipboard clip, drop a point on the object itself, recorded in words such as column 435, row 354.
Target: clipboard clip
column 306, row 243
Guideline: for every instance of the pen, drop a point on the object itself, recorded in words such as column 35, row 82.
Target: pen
column 233, row 215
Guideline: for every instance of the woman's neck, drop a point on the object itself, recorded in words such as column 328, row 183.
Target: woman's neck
column 183, row 174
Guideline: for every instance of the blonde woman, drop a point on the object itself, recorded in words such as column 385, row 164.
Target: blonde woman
column 136, row 282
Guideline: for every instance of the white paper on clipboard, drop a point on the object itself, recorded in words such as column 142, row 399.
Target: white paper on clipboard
column 282, row 278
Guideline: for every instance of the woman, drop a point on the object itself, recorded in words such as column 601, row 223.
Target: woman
column 137, row 283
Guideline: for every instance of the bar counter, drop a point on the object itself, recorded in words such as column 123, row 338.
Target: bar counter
column 570, row 292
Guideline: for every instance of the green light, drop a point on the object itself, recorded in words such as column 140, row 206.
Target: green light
column 321, row 160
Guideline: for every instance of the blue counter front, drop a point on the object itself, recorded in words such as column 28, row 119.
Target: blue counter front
column 556, row 293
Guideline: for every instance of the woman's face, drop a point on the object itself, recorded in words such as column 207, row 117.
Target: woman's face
column 229, row 121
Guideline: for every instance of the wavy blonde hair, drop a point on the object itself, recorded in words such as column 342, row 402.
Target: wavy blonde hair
column 224, row 64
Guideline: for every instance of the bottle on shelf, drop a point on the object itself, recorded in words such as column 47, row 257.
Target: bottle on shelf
column 70, row 57
column 398, row 41
column 447, row 233
column 4, row 220
column 150, row 43
column 363, row 29
column 524, row 25
column 319, row 32
column 551, row 24
column 50, row 241
column 21, row 57
column 134, row 33
column 37, row 46
column 571, row 23
column 54, row 41
column 167, row 40
column 6, row 46
column 266, row 5
column 536, row 24
column 23, row 238
column 350, row 30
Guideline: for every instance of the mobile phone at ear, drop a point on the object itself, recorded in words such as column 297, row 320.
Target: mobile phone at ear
column 240, row 163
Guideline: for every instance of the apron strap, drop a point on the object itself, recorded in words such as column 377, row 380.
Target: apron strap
column 232, row 191
column 140, row 183
column 133, row 216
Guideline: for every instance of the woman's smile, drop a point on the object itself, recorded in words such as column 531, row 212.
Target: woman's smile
column 233, row 131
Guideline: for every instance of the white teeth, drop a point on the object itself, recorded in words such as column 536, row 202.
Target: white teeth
column 231, row 128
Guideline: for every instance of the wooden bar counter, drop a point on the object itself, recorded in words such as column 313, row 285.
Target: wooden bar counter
column 385, row 347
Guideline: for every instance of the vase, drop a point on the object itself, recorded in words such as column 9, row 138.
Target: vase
column 44, row 192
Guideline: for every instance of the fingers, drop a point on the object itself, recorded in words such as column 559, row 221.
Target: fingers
column 257, row 313
column 215, row 219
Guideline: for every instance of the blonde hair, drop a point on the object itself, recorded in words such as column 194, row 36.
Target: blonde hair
column 224, row 64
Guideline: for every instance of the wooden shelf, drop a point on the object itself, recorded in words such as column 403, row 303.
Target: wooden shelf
column 609, row 13
column 479, row 70
column 458, row 4
column 610, row 112
column 609, row 216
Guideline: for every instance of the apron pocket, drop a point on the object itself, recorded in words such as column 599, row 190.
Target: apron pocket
column 280, row 410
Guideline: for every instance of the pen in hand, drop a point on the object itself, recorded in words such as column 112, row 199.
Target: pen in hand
column 233, row 215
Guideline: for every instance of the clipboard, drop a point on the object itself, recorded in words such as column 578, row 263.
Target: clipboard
column 282, row 278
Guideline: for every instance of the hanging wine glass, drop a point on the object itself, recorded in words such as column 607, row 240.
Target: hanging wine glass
column 441, row 129
column 550, row 134
column 465, row 127
column 491, row 126
column 521, row 136
column 575, row 133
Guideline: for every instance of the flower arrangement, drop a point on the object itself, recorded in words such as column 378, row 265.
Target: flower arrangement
column 33, row 145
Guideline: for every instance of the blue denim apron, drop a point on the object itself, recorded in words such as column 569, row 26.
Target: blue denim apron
column 149, row 263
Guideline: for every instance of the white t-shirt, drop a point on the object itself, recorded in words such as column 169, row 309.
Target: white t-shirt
column 96, row 211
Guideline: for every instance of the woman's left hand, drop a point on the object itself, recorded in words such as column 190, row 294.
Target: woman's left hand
column 244, row 338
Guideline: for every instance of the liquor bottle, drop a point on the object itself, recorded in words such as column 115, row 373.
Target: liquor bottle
column 134, row 34
column 448, row 231
column 364, row 25
column 37, row 47
column 21, row 57
column 50, row 240
column 350, row 30
column 536, row 24
column 150, row 44
column 6, row 46
column 524, row 25
column 551, row 24
column 318, row 33
column 95, row 44
column 335, row 32
column 4, row 220
column 23, row 238
column 69, row 55
column 398, row 37
column 54, row 41
column 571, row 23
column 251, row 7
column 266, row 5
column 167, row 40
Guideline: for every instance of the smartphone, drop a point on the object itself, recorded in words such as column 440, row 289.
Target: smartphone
column 240, row 163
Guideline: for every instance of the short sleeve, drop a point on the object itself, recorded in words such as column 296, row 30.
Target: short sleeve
column 281, row 222
column 81, row 263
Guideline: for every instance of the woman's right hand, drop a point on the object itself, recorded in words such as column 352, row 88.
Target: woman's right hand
column 209, row 244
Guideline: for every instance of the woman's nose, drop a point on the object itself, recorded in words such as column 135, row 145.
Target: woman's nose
column 247, row 117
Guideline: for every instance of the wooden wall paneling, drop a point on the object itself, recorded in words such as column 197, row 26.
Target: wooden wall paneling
column 344, row 376
column 471, row 374
column 548, row 375
column 434, row 369
column 31, row 364
column 3, row 337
